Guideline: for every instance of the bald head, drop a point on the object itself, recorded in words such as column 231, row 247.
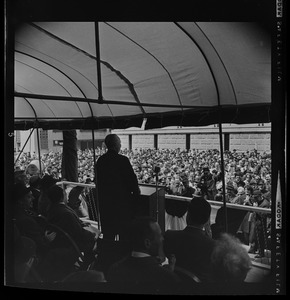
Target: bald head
column 113, row 142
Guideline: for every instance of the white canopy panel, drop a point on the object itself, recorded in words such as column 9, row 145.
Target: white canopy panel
column 168, row 72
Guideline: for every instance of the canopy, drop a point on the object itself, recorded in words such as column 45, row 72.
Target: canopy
column 84, row 75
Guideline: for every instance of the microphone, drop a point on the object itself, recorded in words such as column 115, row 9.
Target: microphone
column 156, row 169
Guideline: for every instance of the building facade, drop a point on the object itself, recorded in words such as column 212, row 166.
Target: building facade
column 238, row 137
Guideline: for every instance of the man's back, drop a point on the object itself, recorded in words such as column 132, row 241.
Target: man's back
column 118, row 189
column 115, row 175
column 192, row 249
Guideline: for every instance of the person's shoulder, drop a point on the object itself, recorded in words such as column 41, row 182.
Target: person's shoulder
column 122, row 156
column 170, row 234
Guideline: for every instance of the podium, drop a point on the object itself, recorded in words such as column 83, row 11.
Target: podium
column 152, row 203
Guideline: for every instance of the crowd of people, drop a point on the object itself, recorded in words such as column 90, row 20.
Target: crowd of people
column 179, row 169
column 145, row 254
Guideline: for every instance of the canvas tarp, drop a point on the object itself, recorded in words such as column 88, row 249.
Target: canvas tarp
column 172, row 73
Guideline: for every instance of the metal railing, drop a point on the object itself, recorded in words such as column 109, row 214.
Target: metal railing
column 180, row 198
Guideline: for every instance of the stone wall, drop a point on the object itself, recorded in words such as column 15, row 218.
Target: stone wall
column 233, row 138
column 246, row 141
column 143, row 141
column 172, row 141
column 204, row 141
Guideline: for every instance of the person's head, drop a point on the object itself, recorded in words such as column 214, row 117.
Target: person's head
column 268, row 178
column 230, row 188
column 206, row 170
column 23, row 195
column 238, row 176
column 230, row 260
column 113, row 142
column 73, row 196
column 241, row 191
column 260, row 184
column 249, row 190
column 20, row 176
column 47, row 181
column 34, row 181
column 56, row 194
column 198, row 212
column 146, row 236
column 257, row 195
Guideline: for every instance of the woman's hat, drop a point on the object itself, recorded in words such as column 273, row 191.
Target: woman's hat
column 47, row 181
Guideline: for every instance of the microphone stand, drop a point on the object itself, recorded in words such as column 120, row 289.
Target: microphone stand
column 157, row 170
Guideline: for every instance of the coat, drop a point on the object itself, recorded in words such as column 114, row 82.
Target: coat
column 142, row 271
column 66, row 218
column 117, row 191
column 192, row 249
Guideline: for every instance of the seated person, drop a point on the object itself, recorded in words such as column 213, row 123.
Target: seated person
column 143, row 267
column 26, row 219
column 62, row 215
column 34, row 183
column 230, row 260
column 77, row 203
column 191, row 246
column 20, row 176
column 53, row 260
column 24, row 253
column 43, row 202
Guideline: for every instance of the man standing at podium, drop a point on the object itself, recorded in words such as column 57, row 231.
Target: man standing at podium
column 117, row 190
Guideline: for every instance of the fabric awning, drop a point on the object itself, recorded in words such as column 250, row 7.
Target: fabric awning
column 171, row 73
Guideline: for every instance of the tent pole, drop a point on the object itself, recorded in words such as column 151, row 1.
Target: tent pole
column 223, row 171
column 23, row 146
column 97, row 40
column 95, row 179
column 39, row 154
column 100, row 100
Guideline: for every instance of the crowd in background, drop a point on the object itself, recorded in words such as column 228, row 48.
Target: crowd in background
column 178, row 169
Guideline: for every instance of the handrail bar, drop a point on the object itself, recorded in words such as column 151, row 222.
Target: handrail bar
column 218, row 203
column 181, row 198
column 92, row 185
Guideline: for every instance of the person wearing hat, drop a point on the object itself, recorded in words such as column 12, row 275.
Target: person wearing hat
column 191, row 246
column 230, row 192
column 238, row 179
column 43, row 202
column 34, row 183
column 209, row 186
column 258, row 233
column 25, row 219
column 245, row 226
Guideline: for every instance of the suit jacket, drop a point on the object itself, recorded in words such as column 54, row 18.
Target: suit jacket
column 192, row 249
column 27, row 225
column 141, row 271
column 117, row 188
column 66, row 218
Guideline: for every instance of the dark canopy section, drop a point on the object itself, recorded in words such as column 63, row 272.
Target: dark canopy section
column 84, row 75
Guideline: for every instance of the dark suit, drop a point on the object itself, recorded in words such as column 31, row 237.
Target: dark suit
column 27, row 225
column 192, row 249
column 118, row 191
column 142, row 271
column 67, row 219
